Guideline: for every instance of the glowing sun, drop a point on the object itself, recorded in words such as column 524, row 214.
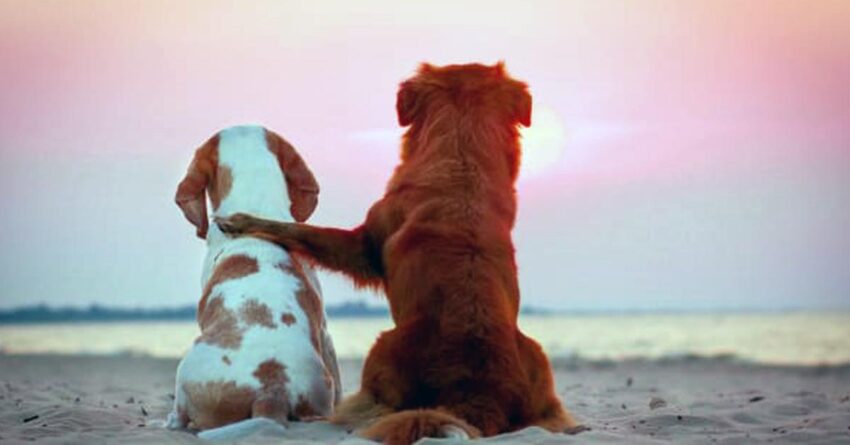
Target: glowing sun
column 542, row 143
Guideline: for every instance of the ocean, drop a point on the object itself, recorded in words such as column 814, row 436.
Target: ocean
column 788, row 338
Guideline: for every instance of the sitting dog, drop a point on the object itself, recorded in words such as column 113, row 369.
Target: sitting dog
column 439, row 244
column 263, row 350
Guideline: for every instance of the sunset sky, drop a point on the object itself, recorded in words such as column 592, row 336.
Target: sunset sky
column 683, row 154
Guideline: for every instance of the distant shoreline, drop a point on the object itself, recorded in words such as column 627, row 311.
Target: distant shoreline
column 97, row 313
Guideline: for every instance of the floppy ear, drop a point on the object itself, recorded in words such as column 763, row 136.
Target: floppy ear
column 522, row 107
column 405, row 103
column 301, row 186
column 190, row 196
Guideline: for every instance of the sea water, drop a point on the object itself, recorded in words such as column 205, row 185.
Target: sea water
column 800, row 338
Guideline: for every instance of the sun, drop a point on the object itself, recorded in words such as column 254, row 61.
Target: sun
column 542, row 143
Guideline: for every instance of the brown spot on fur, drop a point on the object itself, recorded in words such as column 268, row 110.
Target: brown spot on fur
column 233, row 267
column 219, row 326
column 253, row 313
column 308, row 299
column 213, row 404
column 287, row 318
column 273, row 378
column 271, row 373
column 304, row 408
column 221, row 187
column 226, row 360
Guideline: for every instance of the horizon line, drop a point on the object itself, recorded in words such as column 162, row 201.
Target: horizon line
column 381, row 305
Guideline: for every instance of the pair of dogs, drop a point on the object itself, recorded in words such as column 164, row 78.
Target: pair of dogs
column 438, row 244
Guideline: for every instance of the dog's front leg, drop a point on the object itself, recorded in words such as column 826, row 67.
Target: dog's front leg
column 348, row 251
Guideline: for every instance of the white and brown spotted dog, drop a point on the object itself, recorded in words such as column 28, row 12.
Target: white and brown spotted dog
column 264, row 351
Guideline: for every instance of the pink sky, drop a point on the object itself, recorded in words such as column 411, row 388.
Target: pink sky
column 706, row 146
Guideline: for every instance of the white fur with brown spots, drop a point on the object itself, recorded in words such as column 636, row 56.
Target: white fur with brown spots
column 247, row 362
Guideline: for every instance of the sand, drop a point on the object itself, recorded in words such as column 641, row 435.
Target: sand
column 121, row 399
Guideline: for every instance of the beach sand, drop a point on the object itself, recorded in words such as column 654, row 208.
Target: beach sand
column 122, row 399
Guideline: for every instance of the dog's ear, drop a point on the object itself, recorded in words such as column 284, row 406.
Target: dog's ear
column 406, row 103
column 499, row 68
column 302, row 188
column 522, row 106
column 519, row 95
column 191, row 196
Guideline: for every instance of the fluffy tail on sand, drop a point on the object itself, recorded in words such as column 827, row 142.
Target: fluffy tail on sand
column 406, row 427
column 241, row 430
column 402, row 427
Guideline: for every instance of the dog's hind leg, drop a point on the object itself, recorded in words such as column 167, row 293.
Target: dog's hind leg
column 547, row 409
column 383, row 384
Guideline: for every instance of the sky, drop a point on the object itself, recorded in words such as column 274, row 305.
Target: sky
column 683, row 155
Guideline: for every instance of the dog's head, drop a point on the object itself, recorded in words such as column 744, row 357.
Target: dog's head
column 476, row 89
column 209, row 174
column 480, row 100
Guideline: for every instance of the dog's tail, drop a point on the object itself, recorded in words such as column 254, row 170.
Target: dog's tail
column 243, row 429
column 378, row 422
column 407, row 427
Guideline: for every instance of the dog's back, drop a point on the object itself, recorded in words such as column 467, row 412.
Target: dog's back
column 263, row 349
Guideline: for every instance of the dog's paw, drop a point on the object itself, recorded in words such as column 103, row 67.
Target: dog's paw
column 237, row 224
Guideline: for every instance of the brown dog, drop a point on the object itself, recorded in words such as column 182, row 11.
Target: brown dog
column 439, row 244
